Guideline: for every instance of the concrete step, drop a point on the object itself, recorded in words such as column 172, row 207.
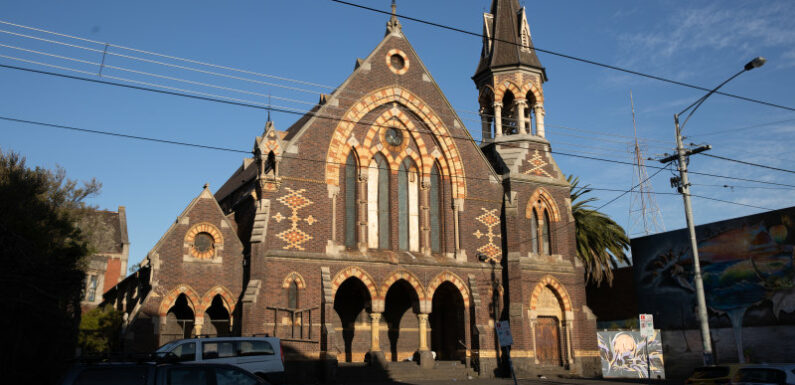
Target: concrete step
column 442, row 370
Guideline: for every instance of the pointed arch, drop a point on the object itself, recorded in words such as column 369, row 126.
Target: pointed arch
column 507, row 85
column 541, row 200
column 169, row 299
column 408, row 277
column 294, row 276
column 354, row 272
column 415, row 104
column 530, row 87
column 553, row 284
column 447, row 276
column 226, row 297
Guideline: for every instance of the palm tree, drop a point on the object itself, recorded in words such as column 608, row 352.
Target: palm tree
column 601, row 242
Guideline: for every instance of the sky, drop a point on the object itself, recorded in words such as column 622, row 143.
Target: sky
column 291, row 51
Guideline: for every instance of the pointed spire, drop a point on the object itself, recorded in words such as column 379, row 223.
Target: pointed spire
column 393, row 25
column 507, row 42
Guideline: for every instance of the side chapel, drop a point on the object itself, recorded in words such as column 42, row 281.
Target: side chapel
column 375, row 228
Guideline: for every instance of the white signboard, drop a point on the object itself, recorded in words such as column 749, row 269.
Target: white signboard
column 504, row 333
column 646, row 326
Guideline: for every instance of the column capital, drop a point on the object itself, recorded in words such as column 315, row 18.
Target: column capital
column 521, row 101
column 374, row 316
column 497, row 104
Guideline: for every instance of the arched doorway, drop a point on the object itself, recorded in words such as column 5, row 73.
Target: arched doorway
column 218, row 324
column 352, row 304
column 448, row 333
column 400, row 313
column 179, row 320
column 549, row 333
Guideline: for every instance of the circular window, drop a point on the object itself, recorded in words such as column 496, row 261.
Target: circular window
column 393, row 136
column 397, row 62
column 203, row 242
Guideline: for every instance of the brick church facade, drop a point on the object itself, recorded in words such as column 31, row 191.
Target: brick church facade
column 376, row 229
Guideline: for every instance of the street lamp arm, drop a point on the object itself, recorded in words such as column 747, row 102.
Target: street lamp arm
column 695, row 105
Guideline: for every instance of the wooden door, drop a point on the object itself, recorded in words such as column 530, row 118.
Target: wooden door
column 548, row 341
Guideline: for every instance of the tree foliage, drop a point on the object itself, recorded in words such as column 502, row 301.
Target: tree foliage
column 601, row 242
column 99, row 330
column 42, row 252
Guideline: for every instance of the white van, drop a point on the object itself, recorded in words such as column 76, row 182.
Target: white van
column 262, row 356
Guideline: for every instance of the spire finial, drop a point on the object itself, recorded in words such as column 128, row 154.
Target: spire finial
column 269, row 107
column 393, row 25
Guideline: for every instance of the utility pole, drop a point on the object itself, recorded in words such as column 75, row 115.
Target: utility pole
column 683, row 186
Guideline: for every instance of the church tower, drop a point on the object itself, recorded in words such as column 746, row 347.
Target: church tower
column 509, row 78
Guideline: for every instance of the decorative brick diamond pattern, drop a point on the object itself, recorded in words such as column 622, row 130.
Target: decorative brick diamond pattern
column 490, row 219
column 294, row 236
column 537, row 164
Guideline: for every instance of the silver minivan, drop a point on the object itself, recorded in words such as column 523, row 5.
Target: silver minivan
column 262, row 356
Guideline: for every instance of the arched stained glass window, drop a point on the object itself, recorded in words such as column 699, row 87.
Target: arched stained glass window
column 546, row 234
column 350, row 200
column 534, row 232
column 408, row 206
column 435, row 203
column 383, row 201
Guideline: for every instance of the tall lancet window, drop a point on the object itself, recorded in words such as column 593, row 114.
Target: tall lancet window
column 546, row 234
column 435, row 203
column 378, row 203
column 350, row 200
column 534, row 232
column 408, row 206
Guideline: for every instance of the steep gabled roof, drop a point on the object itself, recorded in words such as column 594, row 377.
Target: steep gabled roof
column 506, row 48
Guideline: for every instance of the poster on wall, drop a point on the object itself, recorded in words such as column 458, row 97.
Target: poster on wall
column 625, row 354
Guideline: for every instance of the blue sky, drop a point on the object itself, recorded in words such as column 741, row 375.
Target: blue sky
column 318, row 41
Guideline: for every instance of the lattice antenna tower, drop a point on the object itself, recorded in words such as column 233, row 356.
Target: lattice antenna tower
column 643, row 209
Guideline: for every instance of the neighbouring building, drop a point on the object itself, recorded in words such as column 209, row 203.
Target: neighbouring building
column 107, row 266
column 749, row 284
column 375, row 228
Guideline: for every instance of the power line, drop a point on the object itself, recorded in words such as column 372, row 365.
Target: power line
column 104, row 52
column 748, row 163
column 288, row 111
column 733, row 186
column 720, row 132
column 734, row 203
column 570, row 57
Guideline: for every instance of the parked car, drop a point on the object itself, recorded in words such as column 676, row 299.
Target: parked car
column 262, row 356
column 127, row 373
column 713, row 375
column 778, row 374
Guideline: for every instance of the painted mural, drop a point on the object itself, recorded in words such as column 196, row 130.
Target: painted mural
column 625, row 354
column 748, row 273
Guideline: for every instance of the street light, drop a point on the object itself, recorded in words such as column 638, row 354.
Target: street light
column 684, row 189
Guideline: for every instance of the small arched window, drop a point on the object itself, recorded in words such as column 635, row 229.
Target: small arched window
column 534, row 232
column 350, row 200
column 546, row 235
column 292, row 295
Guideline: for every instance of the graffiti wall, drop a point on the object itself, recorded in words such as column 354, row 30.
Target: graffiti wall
column 747, row 266
column 625, row 354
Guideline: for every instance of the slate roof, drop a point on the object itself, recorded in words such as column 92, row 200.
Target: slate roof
column 107, row 230
column 506, row 50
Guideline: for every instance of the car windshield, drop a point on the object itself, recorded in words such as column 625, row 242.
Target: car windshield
column 710, row 372
column 167, row 347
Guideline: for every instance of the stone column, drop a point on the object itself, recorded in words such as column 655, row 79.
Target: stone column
column 539, row 111
column 497, row 119
column 533, row 332
column 425, row 215
column 567, row 324
column 521, row 104
column 485, row 125
column 198, row 323
column 362, row 206
column 426, row 358
column 375, row 330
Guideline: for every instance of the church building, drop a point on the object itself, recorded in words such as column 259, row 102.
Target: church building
column 376, row 229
